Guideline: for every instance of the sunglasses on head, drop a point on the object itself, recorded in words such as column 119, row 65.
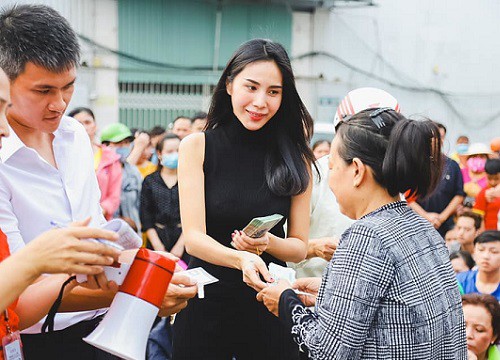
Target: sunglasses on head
column 375, row 116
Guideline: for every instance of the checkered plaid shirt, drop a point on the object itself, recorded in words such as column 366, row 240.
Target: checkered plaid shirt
column 388, row 293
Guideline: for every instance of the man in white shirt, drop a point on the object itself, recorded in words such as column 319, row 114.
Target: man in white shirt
column 47, row 172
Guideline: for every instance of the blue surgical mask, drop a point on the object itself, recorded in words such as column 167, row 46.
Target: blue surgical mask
column 462, row 149
column 124, row 152
column 170, row 161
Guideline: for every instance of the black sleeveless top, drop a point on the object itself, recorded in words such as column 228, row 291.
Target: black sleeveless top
column 236, row 190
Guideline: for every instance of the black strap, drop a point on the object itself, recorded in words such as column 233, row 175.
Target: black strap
column 49, row 320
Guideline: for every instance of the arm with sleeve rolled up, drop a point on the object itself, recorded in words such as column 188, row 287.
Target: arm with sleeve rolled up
column 347, row 302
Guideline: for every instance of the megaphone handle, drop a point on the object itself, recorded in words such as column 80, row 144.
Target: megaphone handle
column 49, row 320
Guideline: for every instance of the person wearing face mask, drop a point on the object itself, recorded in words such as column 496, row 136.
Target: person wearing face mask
column 161, row 221
column 474, row 174
column 118, row 137
column 160, row 214
column 461, row 148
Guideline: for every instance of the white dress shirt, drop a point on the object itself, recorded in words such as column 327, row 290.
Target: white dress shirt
column 33, row 193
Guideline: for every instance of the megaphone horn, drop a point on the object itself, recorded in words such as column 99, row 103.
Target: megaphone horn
column 125, row 328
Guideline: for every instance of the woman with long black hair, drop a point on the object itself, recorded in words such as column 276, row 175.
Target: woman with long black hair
column 253, row 160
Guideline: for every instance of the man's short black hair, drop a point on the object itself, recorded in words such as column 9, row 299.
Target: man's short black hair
column 182, row 117
column 487, row 236
column 465, row 256
column 37, row 34
column 492, row 166
column 200, row 115
column 157, row 130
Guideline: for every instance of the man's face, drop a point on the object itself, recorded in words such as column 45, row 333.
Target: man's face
column 487, row 256
column 465, row 230
column 40, row 97
column 88, row 123
column 182, row 128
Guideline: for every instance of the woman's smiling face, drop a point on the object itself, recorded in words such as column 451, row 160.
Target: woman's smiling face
column 256, row 93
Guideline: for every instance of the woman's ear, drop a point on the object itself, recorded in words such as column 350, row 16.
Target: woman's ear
column 359, row 172
column 229, row 87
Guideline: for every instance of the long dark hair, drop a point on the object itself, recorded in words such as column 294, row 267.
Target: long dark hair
column 286, row 164
column 403, row 154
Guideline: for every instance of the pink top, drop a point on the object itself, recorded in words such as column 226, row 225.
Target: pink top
column 109, row 177
column 473, row 187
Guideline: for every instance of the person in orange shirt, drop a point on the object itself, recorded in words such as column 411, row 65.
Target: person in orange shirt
column 487, row 204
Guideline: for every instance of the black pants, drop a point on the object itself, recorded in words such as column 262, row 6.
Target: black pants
column 64, row 344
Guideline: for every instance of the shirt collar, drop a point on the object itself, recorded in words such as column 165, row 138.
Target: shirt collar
column 12, row 143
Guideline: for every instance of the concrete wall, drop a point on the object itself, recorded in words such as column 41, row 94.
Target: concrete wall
column 447, row 45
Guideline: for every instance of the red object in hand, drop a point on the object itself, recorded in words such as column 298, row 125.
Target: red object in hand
column 149, row 277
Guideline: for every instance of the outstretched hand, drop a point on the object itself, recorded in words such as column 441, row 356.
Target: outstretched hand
column 62, row 251
column 252, row 267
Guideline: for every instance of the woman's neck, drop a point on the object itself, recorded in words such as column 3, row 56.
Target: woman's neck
column 372, row 200
column 165, row 171
column 482, row 356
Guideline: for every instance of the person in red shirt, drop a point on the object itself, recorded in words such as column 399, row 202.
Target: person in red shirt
column 487, row 204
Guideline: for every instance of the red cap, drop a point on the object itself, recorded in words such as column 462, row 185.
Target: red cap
column 149, row 277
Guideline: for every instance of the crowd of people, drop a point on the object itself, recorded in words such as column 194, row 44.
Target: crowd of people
column 395, row 245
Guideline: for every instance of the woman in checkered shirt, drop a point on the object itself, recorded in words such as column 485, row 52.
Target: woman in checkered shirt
column 389, row 292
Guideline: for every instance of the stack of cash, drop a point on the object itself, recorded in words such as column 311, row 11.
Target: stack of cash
column 259, row 226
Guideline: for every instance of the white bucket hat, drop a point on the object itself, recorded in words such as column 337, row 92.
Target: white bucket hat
column 478, row 149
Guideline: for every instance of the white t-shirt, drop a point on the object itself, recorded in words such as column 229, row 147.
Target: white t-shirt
column 326, row 219
column 33, row 193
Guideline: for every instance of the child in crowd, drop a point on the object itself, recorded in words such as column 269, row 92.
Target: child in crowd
column 487, row 204
column 486, row 279
column 467, row 228
column 461, row 261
